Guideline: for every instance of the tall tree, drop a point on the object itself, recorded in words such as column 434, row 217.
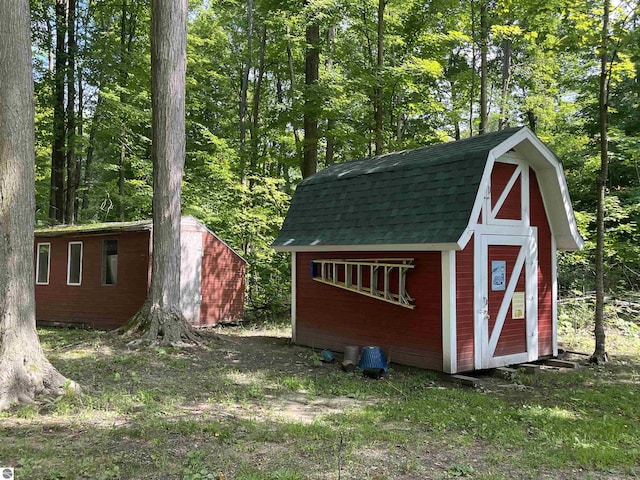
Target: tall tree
column 378, row 110
column 506, row 77
column 331, row 121
column 70, row 197
column 161, row 315
column 600, row 353
column 484, row 40
column 56, row 203
column 244, row 89
column 24, row 370
column 311, row 76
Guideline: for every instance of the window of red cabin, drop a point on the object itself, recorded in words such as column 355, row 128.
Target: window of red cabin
column 42, row 263
column 109, row 262
column 74, row 264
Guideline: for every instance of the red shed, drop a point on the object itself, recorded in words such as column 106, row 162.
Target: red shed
column 445, row 256
column 99, row 274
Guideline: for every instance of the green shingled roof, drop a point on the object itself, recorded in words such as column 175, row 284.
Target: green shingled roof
column 421, row 196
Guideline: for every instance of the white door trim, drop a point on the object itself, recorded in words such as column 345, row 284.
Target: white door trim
column 484, row 344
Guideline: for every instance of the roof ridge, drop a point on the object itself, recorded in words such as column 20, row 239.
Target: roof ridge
column 410, row 158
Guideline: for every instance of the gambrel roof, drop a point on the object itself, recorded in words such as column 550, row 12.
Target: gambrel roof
column 422, row 199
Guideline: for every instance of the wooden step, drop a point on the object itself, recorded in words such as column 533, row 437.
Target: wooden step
column 465, row 380
column 555, row 362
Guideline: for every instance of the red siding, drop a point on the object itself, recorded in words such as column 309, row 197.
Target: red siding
column 500, row 176
column 329, row 317
column 513, row 334
column 222, row 282
column 464, row 308
column 103, row 306
column 545, row 277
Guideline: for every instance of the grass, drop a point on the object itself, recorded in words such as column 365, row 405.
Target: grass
column 252, row 406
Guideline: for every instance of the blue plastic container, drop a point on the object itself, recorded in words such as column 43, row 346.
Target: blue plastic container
column 372, row 358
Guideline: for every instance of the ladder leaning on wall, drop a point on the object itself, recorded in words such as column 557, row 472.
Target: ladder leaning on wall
column 330, row 271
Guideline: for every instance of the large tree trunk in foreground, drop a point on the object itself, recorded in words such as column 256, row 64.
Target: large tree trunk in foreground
column 160, row 320
column 24, row 370
column 600, row 353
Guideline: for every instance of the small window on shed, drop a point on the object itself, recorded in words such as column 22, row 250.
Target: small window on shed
column 74, row 264
column 109, row 262
column 42, row 264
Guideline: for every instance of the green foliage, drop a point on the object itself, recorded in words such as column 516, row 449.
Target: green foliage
column 240, row 187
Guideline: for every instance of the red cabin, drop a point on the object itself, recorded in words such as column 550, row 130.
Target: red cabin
column 99, row 274
column 444, row 256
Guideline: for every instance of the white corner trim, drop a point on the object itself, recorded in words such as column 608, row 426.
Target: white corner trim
column 479, row 305
column 482, row 203
column 449, row 332
column 554, row 297
column 294, row 262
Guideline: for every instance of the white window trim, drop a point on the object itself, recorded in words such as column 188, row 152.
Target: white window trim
column 69, row 264
column 521, row 173
column 38, row 263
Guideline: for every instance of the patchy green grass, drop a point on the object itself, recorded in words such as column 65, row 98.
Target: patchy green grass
column 253, row 406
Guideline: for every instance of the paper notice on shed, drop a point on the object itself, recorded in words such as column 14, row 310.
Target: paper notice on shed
column 517, row 305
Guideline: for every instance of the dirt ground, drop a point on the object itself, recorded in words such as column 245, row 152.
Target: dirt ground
column 257, row 349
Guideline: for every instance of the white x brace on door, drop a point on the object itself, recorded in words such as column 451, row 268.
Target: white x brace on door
column 506, row 299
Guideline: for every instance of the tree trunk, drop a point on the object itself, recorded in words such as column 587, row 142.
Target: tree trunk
column 600, row 353
column 311, row 76
column 484, row 35
column 506, row 80
column 86, row 182
column 70, row 211
column 244, row 88
column 292, row 89
column 331, row 121
column 160, row 318
column 128, row 25
column 24, row 370
column 51, row 54
column 378, row 111
column 78, row 156
column 472, row 89
column 255, row 107
column 56, row 202
column 121, row 175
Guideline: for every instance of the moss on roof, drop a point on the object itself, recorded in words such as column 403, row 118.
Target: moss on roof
column 94, row 228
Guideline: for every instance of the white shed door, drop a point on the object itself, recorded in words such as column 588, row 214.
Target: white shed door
column 190, row 275
column 508, row 300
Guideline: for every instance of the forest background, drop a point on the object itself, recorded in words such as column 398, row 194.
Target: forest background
column 279, row 89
